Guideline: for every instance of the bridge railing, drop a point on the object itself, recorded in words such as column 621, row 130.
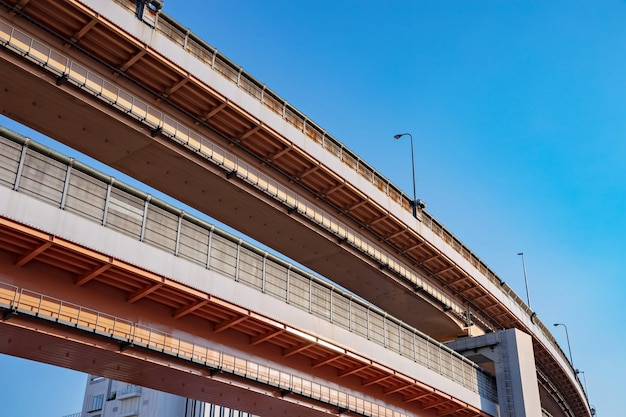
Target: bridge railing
column 30, row 168
column 22, row 301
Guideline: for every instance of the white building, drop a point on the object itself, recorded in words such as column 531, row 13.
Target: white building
column 105, row 397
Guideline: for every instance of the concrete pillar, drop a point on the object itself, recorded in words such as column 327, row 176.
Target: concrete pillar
column 509, row 355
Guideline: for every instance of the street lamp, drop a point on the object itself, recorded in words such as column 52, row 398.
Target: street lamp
column 525, row 279
column 415, row 203
column 568, row 345
column 578, row 372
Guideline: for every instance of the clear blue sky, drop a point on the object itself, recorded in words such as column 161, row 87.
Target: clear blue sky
column 517, row 109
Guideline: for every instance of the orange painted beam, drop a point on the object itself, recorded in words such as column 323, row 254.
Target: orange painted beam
column 24, row 259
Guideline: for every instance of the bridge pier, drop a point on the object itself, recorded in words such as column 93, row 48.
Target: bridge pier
column 509, row 355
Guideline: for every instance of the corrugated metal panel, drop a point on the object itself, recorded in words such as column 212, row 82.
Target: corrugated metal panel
column 161, row 228
column 341, row 311
column 125, row 213
column 276, row 280
column 223, row 256
column 320, row 300
column 193, row 242
column 299, row 291
column 9, row 161
column 86, row 196
column 43, row 177
column 251, row 269
column 358, row 315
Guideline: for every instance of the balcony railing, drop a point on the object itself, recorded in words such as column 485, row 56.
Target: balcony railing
column 131, row 391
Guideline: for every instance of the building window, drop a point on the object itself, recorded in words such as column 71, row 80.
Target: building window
column 98, row 400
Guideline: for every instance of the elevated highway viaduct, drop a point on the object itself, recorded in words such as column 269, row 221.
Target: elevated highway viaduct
column 152, row 100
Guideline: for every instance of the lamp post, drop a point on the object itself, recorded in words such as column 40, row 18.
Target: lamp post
column 414, row 203
column 578, row 372
column 571, row 361
column 525, row 279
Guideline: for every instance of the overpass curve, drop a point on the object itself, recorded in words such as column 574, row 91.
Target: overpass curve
column 462, row 282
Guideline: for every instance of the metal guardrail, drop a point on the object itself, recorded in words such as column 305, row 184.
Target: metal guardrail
column 77, row 188
column 25, row 302
column 128, row 392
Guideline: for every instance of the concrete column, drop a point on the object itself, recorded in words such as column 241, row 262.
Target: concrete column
column 509, row 355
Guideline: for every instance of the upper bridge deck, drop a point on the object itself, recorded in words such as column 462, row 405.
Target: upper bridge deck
column 170, row 98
